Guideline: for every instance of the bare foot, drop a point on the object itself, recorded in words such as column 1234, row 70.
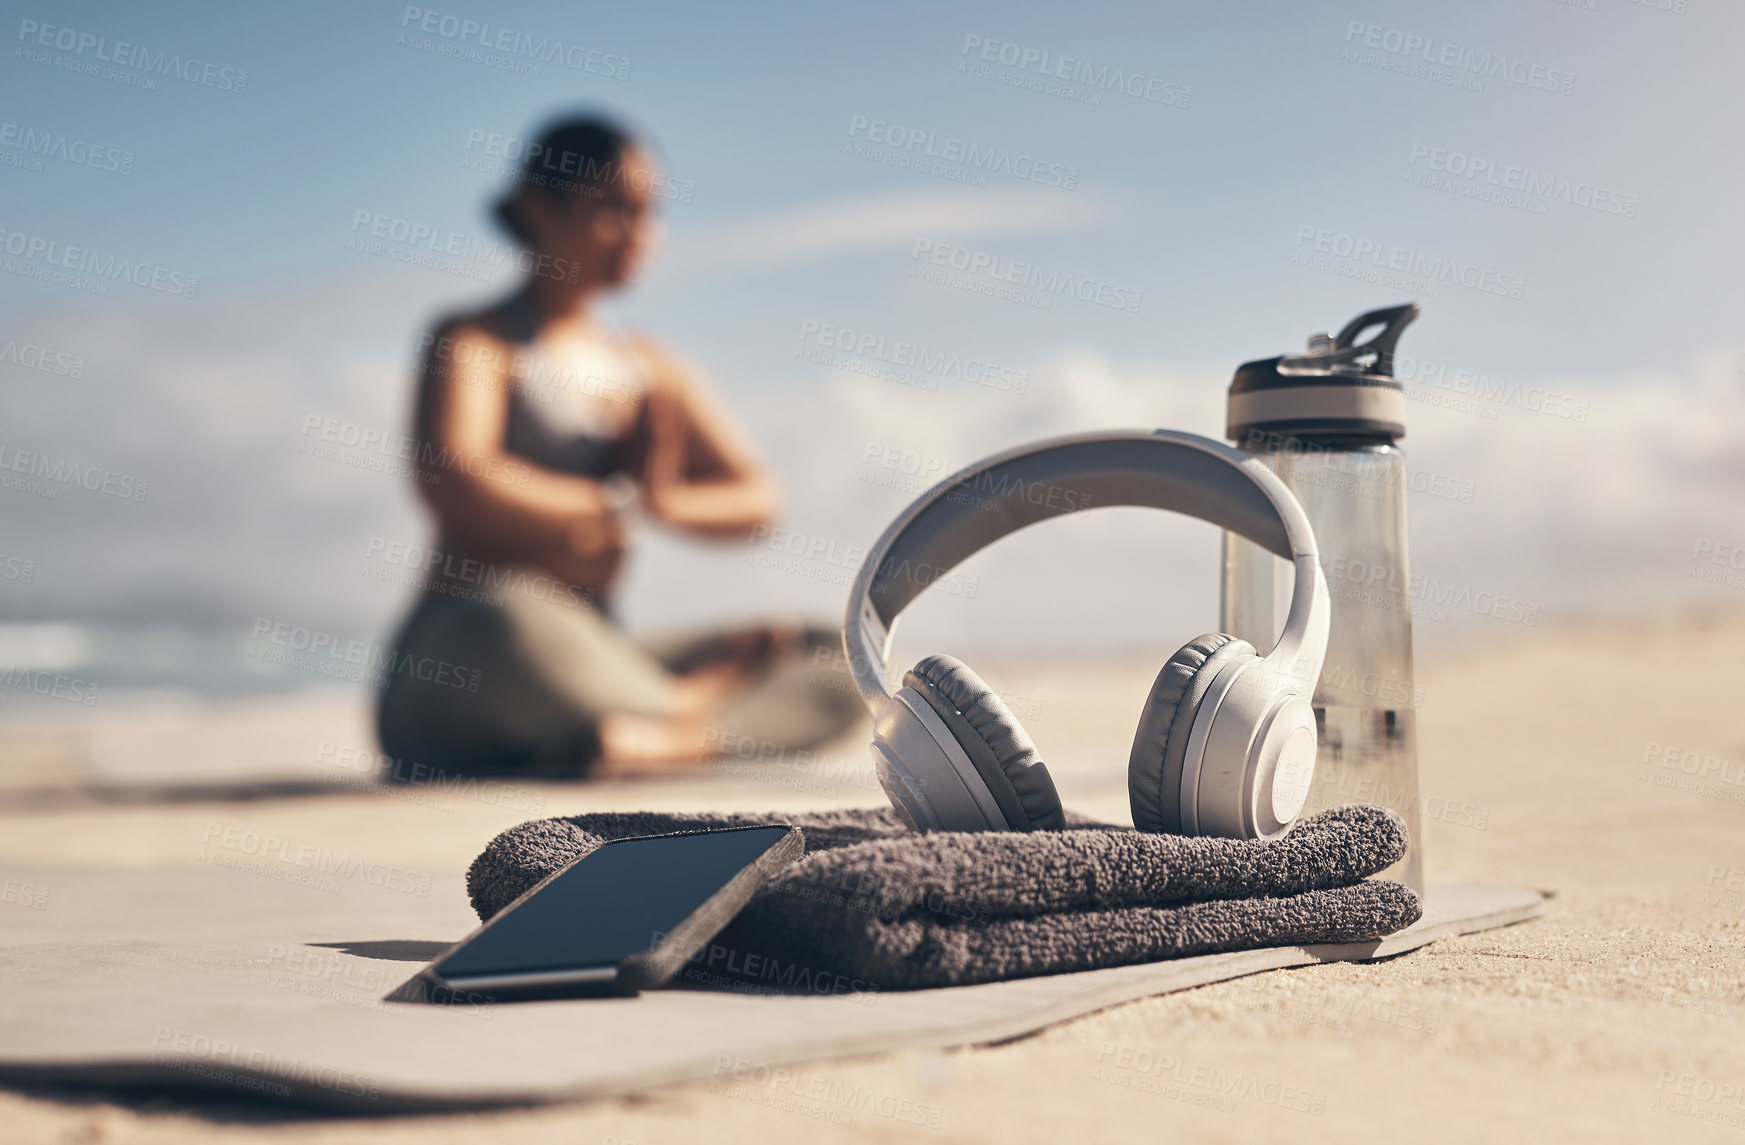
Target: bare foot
column 649, row 745
column 687, row 740
column 743, row 656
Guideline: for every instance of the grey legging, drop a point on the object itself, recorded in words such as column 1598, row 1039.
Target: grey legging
column 516, row 682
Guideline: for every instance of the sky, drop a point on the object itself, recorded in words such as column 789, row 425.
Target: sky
column 1228, row 179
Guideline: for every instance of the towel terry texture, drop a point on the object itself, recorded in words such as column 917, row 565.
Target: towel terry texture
column 876, row 905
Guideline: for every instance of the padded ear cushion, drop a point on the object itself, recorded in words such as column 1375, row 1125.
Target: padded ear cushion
column 1160, row 745
column 994, row 741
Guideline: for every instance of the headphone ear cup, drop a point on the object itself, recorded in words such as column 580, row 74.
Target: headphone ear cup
column 994, row 740
column 1160, row 744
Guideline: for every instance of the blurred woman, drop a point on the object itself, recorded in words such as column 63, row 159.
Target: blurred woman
column 542, row 432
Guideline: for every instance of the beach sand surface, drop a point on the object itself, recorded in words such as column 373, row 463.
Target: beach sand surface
column 1618, row 1016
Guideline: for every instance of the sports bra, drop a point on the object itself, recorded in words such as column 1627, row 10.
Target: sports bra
column 573, row 411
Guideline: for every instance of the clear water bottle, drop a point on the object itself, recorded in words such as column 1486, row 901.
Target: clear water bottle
column 1326, row 422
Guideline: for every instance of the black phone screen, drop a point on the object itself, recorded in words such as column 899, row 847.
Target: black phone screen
column 609, row 904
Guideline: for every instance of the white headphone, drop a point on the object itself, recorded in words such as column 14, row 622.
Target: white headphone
column 1226, row 742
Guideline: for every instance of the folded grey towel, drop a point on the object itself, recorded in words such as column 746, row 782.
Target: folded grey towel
column 875, row 905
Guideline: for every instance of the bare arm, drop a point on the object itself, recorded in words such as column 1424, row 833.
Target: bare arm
column 481, row 492
column 699, row 472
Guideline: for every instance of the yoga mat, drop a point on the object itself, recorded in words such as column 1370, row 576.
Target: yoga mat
column 271, row 982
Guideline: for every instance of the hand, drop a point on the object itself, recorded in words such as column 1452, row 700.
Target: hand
column 591, row 551
column 668, row 460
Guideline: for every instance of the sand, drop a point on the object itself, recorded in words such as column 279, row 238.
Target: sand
column 1619, row 1016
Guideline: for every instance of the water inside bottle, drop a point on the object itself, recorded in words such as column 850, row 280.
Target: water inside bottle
column 1366, row 697
column 1369, row 755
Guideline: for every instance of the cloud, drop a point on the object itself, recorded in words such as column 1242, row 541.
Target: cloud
column 208, row 403
column 878, row 222
column 1603, row 513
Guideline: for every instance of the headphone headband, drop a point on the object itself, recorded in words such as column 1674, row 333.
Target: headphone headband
column 995, row 497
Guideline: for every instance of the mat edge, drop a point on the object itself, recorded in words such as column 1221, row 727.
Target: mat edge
column 1131, row 983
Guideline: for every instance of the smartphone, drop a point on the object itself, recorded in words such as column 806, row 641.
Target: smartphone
column 624, row 917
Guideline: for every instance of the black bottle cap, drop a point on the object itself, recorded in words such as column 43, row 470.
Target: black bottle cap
column 1340, row 390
